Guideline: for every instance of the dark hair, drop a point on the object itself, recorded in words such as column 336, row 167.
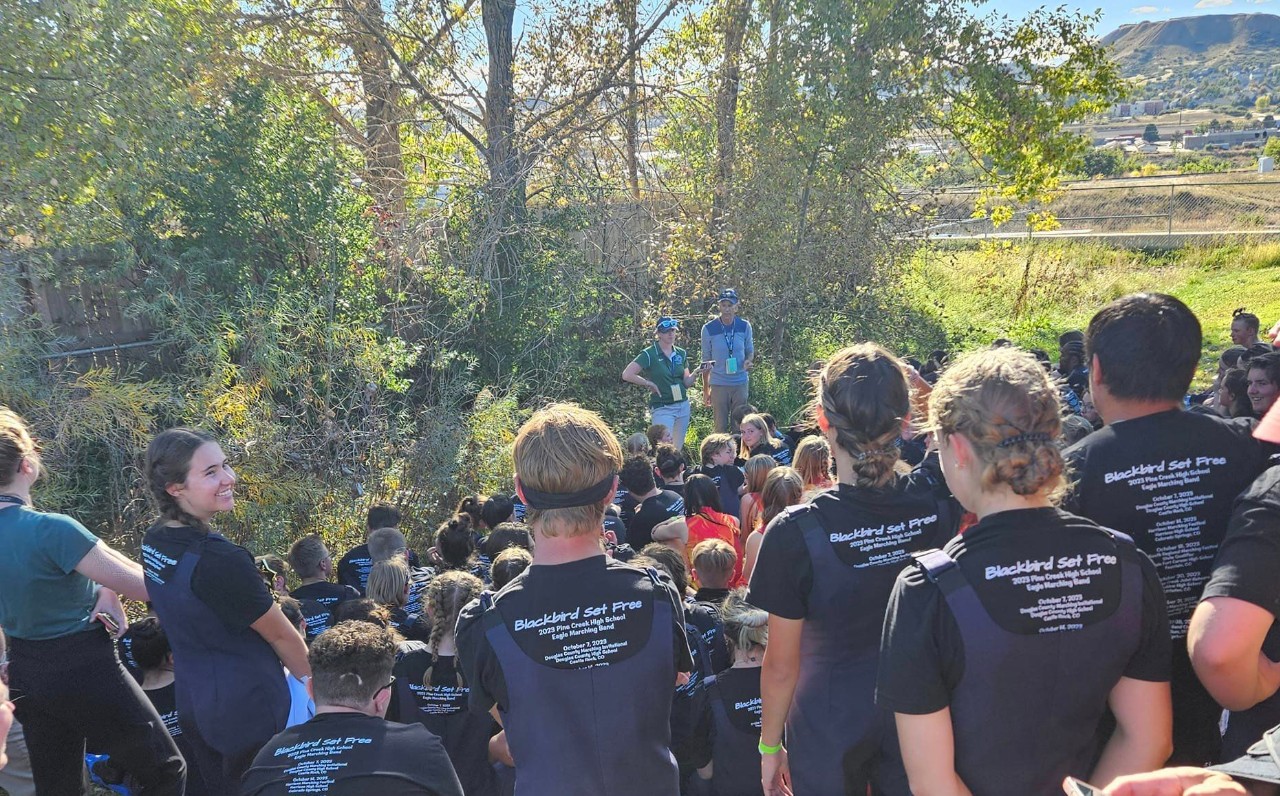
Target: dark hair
column 270, row 567
column 497, row 510
column 1236, row 383
column 1250, row 320
column 669, row 460
column 637, row 475
column 864, row 396
column 1230, row 357
column 470, row 506
column 382, row 515
column 507, row 534
column 700, row 492
column 1072, row 336
column 740, row 411
column 292, row 610
column 350, row 663
column 362, row 609
column 508, row 564
column 769, row 421
column 168, row 460
column 671, row 562
column 149, row 644
column 1147, row 345
column 1268, row 364
column 455, row 542
column 1042, row 357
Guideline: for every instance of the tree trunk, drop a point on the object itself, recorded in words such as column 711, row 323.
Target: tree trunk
column 506, row 172
column 629, row 9
column 726, row 110
column 384, row 162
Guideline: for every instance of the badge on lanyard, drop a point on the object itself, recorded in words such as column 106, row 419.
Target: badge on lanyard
column 731, row 365
column 677, row 392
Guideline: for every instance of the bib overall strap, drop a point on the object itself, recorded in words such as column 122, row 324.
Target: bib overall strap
column 941, row 569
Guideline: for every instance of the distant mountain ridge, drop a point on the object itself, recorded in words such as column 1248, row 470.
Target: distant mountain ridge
column 1213, row 40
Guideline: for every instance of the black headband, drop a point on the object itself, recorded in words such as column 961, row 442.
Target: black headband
column 537, row 499
column 1018, row 439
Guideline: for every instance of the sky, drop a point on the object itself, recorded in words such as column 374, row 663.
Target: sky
column 1122, row 12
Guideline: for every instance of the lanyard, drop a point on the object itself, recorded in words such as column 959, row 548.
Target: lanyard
column 13, row 500
column 730, row 334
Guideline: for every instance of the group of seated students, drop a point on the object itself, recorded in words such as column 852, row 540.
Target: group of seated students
column 986, row 575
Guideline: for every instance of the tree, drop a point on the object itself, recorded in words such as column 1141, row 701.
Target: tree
column 1214, row 125
column 1262, row 104
column 1272, row 147
column 1102, row 162
column 1151, row 134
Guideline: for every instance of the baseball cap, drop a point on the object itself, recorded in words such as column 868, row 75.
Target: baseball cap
column 666, row 324
column 728, row 294
column 1260, row 764
column 1268, row 429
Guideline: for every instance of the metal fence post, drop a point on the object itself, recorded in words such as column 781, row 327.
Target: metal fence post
column 1170, row 209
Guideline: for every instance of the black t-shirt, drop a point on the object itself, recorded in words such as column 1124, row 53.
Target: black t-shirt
column 613, row 522
column 594, row 600
column 712, row 650
column 165, row 701
column 654, row 511
column 318, row 601
column 351, row 754
column 873, row 531
column 353, row 568
column 772, row 447
column 714, row 596
column 740, row 691
column 225, row 579
column 1248, row 563
column 1168, row 480
column 1021, row 565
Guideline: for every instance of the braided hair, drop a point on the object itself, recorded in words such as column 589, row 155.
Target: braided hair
column 863, row 396
column 1009, row 409
column 447, row 594
column 168, row 460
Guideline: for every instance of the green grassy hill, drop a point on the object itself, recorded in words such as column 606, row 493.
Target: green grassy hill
column 1031, row 292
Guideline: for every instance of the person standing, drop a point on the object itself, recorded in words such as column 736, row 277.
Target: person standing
column 663, row 370
column 727, row 344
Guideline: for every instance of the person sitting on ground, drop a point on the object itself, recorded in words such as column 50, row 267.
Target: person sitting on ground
column 1234, row 635
column 756, row 440
column 813, row 463
column 470, row 506
column 312, row 563
column 353, row 568
column 1244, row 328
column 301, row 708
column 670, row 464
column 972, row 658
column 731, row 712
column 783, row 488
column 717, row 454
column 349, row 748
column 653, row 505
column 754, row 473
column 387, row 543
column 455, row 548
column 776, row 435
column 1074, row 429
column 430, row 688
column 714, row 564
column 389, row 587
column 639, row 445
column 1232, row 397
column 504, row 535
column 496, row 510
column 705, row 519
column 508, row 564
column 580, row 717
column 1264, row 382
column 1144, row 351
column 658, row 434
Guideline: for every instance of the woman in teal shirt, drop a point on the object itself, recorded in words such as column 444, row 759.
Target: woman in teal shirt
column 56, row 580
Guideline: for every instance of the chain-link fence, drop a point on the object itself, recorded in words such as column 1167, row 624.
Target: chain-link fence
column 1234, row 204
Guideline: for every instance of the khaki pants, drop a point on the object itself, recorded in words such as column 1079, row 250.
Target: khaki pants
column 724, row 399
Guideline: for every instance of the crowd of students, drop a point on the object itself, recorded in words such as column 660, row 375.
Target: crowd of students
column 986, row 574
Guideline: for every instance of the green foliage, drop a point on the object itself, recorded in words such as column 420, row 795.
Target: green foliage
column 1272, row 147
column 1203, row 164
column 1151, row 133
column 1103, row 163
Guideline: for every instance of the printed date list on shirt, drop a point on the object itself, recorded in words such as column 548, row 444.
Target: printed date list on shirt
column 596, row 634
column 1056, row 593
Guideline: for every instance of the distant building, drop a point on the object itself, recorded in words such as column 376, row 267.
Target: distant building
column 1226, row 140
column 1140, row 108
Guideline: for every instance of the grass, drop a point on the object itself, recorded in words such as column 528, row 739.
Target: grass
column 1031, row 292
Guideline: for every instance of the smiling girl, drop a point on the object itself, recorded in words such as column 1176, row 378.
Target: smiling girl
column 229, row 637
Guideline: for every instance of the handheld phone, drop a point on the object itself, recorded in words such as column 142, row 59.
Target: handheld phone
column 1075, row 787
column 708, row 364
column 108, row 620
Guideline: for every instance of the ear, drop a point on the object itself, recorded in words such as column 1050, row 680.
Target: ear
column 520, row 489
column 174, row 489
column 1095, row 374
column 962, row 449
column 311, row 689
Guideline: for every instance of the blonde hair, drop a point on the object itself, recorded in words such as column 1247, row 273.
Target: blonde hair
column 863, row 395
column 713, row 444
column 1004, row 403
column 389, row 581
column 757, row 422
column 15, row 445
column 637, row 445
column 745, row 626
column 714, row 557
column 813, row 461
column 757, row 469
column 564, row 449
column 783, row 488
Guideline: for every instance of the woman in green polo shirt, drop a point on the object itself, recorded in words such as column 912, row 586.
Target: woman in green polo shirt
column 56, row 580
column 663, row 370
